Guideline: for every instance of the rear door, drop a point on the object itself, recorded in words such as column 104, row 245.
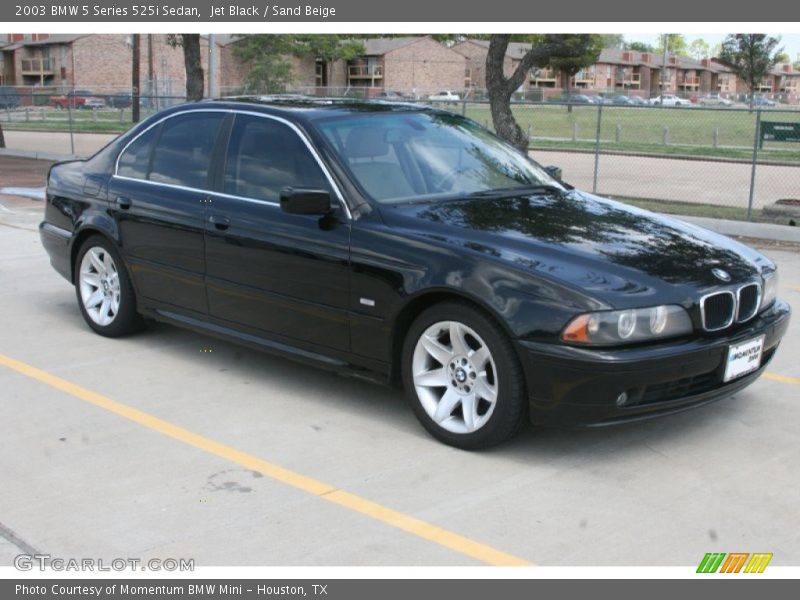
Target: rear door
column 158, row 199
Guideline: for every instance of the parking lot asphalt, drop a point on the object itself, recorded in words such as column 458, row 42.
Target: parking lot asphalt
column 169, row 444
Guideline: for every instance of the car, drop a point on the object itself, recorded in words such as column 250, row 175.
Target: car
column 714, row 99
column 638, row 100
column 9, row 97
column 669, row 100
column 77, row 99
column 445, row 96
column 763, row 101
column 622, row 100
column 581, row 99
column 391, row 95
column 410, row 245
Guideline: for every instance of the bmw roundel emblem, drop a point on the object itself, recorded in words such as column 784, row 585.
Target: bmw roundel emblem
column 721, row 275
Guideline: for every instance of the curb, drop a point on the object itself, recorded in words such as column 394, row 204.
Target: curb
column 37, row 154
column 764, row 231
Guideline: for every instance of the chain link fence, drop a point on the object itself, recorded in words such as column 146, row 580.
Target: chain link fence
column 725, row 161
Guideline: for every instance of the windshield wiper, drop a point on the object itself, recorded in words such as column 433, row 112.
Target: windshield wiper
column 516, row 191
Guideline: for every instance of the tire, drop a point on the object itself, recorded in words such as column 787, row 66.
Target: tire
column 469, row 394
column 105, row 295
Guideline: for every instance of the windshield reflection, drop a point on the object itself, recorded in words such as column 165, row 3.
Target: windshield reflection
column 413, row 156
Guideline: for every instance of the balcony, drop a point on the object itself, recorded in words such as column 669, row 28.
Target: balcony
column 365, row 71
column 585, row 77
column 543, row 75
column 689, row 81
column 37, row 66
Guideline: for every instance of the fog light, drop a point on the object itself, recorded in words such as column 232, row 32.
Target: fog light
column 622, row 399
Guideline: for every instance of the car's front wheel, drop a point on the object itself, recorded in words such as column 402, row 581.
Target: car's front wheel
column 105, row 294
column 462, row 377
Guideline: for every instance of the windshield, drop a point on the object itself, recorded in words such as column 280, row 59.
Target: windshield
column 411, row 156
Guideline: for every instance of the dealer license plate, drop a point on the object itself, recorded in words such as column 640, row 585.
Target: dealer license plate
column 744, row 358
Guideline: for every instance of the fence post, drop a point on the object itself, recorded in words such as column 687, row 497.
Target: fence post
column 716, row 138
column 665, row 135
column 575, row 130
column 618, row 133
column 71, row 134
column 464, row 106
column 529, row 132
column 27, row 114
column 44, row 115
column 756, row 139
column 597, row 147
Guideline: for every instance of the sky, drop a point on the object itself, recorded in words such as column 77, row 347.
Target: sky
column 789, row 41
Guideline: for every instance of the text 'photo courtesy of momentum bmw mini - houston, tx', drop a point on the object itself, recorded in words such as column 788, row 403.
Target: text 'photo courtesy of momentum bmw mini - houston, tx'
column 410, row 246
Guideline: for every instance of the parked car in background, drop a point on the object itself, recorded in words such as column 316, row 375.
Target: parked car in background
column 763, row 102
column 412, row 246
column 622, row 101
column 123, row 100
column 638, row 100
column 78, row 99
column 391, row 95
column 714, row 99
column 9, row 97
column 581, row 99
column 669, row 100
column 446, row 95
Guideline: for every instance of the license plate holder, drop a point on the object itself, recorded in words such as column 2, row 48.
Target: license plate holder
column 743, row 358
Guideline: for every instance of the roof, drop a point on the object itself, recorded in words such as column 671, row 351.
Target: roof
column 53, row 39
column 381, row 46
column 295, row 106
column 514, row 50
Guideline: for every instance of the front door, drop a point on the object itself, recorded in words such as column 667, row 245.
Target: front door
column 286, row 275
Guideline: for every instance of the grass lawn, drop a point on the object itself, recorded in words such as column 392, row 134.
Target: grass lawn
column 634, row 129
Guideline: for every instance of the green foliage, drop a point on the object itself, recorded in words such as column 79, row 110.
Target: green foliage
column 750, row 55
column 676, row 44
column 699, row 49
column 589, row 53
column 639, row 47
column 613, row 40
column 264, row 54
column 783, row 57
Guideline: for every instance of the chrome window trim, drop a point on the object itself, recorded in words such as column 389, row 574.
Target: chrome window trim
column 234, row 111
column 739, row 319
column 703, row 310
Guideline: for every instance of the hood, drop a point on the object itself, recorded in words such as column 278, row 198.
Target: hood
column 587, row 241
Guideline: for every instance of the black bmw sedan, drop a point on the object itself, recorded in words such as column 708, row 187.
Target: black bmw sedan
column 412, row 246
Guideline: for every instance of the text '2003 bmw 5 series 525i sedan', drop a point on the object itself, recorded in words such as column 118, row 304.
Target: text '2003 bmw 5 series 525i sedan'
column 412, row 246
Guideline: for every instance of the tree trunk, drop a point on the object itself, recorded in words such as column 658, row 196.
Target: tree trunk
column 500, row 91
column 194, row 70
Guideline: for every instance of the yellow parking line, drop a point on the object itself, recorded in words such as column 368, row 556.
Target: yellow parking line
column 782, row 378
column 388, row 516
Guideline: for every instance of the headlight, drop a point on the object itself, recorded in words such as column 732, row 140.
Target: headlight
column 770, row 290
column 626, row 326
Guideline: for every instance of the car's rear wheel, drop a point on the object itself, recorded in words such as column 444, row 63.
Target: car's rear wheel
column 105, row 294
column 462, row 377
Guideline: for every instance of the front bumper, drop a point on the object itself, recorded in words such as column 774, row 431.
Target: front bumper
column 571, row 386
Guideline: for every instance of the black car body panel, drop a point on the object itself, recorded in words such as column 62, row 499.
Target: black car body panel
column 340, row 290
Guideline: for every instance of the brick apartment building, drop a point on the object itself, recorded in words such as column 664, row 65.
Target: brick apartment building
column 413, row 65
column 102, row 62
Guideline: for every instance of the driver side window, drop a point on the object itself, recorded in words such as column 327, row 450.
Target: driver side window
column 264, row 156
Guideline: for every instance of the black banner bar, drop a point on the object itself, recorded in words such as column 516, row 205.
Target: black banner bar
column 362, row 11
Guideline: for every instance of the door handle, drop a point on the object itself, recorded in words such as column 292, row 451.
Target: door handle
column 123, row 202
column 219, row 222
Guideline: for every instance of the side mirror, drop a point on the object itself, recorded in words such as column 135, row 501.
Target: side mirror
column 554, row 172
column 301, row 201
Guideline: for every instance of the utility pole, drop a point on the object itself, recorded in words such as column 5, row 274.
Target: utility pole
column 664, row 42
column 135, row 78
column 150, row 71
column 213, row 66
